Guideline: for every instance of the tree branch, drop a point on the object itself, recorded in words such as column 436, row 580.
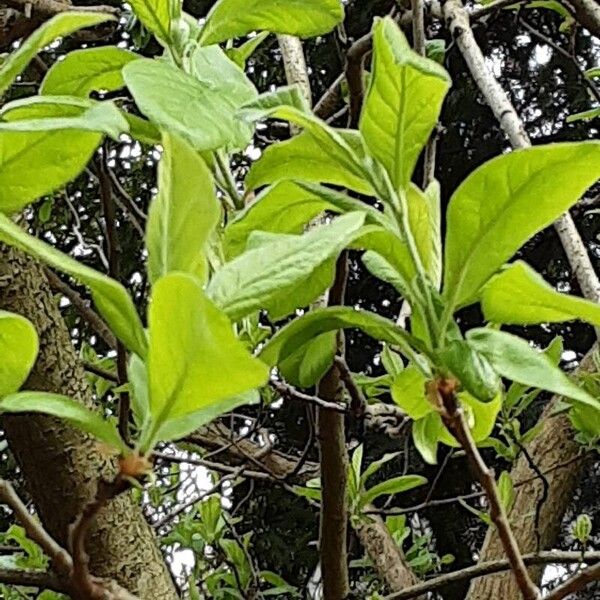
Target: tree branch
column 49, row 8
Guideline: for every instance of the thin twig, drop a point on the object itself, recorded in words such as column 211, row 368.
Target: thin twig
column 491, row 567
column 288, row 391
column 454, row 419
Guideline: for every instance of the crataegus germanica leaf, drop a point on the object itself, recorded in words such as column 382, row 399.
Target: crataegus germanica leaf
column 88, row 70
column 67, row 409
column 403, row 102
column 155, row 16
column 288, row 207
column 18, row 349
column 520, row 296
column 426, row 435
column 263, row 276
column 303, row 18
column 505, row 202
column 285, row 342
column 195, row 362
column 37, row 157
column 304, row 158
column 60, row 25
column 395, row 485
column 408, row 392
column 199, row 108
column 307, row 365
column 184, row 213
column 515, row 359
column 110, row 297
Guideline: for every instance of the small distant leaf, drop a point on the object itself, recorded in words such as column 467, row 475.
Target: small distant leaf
column 506, row 490
column 195, row 362
column 553, row 5
column 184, row 213
column 88, row 70
column 18, row 349
column 242, row 53
column 582, row 529
column 61, row 25
column 426, row 434
column 396, row 485
column 303, row 18
column 403, row 102
column 110, row 297
column 592, row 73
column 520, row 296
column 490, row 217
column 375, row 466
column 515, row 359
column 586, row 115
column 64, row 408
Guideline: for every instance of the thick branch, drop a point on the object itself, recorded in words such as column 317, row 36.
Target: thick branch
column 587, row 12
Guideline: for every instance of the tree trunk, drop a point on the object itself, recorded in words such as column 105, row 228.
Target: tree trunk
column 61, row 465
column 555, row 453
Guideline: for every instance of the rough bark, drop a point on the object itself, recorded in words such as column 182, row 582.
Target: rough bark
column 587, row 13
column 61, row 465
column 387, row 556
column 555, row 445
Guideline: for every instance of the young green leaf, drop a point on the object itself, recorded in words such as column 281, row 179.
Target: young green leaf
column 396, row 485
column 303, row 157
column 200, row 108
column 408, row 392
column 178, row 427
column 316, row 322
column 403, row 102
column 102, row 117
column 88, row 70
column 137, row 375
column 515, row 359
column 520, row 296
column 195, row 362
column 261, row 277
column 506, row 490
column 183, row 215
column 490, row 216
column 155, row 16
column 67, row 409
column 111, row 298
column 307, row 365
column 18, row 349
column 426, row 434
column 375, row 466
column 303, row 18
column 243, row 52
column 287, row 207
column 61, row 25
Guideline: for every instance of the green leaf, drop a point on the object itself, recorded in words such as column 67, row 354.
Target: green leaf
column 137, row 376
column 375, row 466
column 260, row 277
column 408, row 392
column 88, row 70
column 303, row 157
column 303, row 18
column 554, row 5
column 593, row 73
column 183, row 214
column 474, row 372
column 102, row 117
column 391, row 361
column 110, row 297
column 396, row 485
column 243, row 52
column 433, row 256
column 195, row 362
column 426, row 433
column 199, row 107
column 155, row 16
column 506, row 490
column 403, row 102
column 60, row 25
column 287, row 207
column 520, row 296
column 586, row 115
column 18, row 349
column 515, row 359
column 67, row 409
column 319, row 321
column 490, row 215
column 174, row 429
column 307, row 365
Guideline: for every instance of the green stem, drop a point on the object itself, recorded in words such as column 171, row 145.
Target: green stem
column 227, row 180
